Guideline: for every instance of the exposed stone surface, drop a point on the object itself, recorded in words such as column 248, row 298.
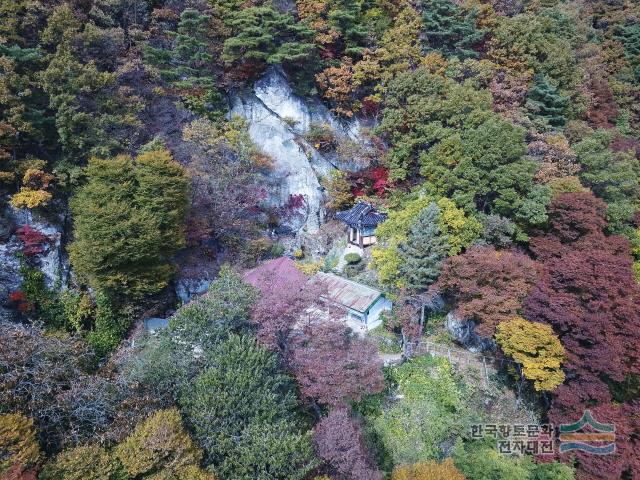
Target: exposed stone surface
column 52, row 261
column 189, row 287
column 278, row 120
column 463, row 331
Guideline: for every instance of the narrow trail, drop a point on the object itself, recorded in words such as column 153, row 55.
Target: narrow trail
column 483, row 365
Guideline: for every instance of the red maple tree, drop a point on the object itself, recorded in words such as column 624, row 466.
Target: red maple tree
column 285, row 294
column 33, row 241
column 587, row 292
column 333, row 366
column 339, row 441
column 487, row 285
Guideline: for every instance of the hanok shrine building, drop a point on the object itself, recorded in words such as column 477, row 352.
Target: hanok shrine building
column 362, row 220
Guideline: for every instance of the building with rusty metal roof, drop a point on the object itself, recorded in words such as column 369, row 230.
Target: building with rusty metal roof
column 361, row 302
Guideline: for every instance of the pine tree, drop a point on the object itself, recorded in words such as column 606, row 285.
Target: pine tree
column 190, row 54
column 424, row 250
column 262, row 35
column 346, row 17
column 544, row 100
column 188, row 64
column 629, row 36
column 449, row 30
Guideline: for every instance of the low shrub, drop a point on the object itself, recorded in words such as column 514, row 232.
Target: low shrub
column 352, row 258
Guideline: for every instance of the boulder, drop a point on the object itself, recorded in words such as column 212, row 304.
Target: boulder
column 186, row 288
column 463, row 331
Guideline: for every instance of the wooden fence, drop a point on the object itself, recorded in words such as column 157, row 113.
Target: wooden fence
column 460, row 359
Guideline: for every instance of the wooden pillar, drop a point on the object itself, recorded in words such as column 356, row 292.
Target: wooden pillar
column 360, row 235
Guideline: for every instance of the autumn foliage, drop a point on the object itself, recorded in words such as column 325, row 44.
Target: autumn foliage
column 284, row 296
column 431, row 470
column 536, row 350
column 587, row 292
column 332, row 366
column 487, row 285
column 33, row 241
column 19, row 450
column 339, row 441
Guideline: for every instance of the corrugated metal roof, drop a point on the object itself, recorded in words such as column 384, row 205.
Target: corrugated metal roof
column 347, row 293
column 362, row 213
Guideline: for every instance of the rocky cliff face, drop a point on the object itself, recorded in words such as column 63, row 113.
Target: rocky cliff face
column 52, row 261
column 278, row 120
column 463, row 331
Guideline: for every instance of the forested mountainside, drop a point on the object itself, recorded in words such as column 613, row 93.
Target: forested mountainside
column 170, row 174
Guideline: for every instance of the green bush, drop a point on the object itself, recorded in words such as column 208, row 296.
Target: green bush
column 107, row 331
column 387, row 342
column 41, row 303
column 352, row 258
column 352, row 270
column 321, row 136
column 83, row 462
column 432, row 409
column 480, row 460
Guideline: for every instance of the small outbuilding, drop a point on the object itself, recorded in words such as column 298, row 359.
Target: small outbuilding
column 155, row 324
column 363, row 304
column 362, row 220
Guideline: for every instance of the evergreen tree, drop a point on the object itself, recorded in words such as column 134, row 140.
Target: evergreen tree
column 262, row 35
column 129, row 223
column 629, row 36
column 424, row 250
column 92, row 115
column 188, row 64
column 346, row 17
column 449, row 30
column 544, row 100
column 241, row 410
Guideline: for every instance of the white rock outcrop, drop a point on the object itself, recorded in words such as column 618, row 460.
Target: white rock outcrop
column 51, row 261
column 278, row 120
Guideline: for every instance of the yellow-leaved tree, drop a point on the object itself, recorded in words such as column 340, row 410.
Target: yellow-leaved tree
column 430, row 470
column 461, row 229
column 536, row 350
column 19, row 449
column 390, row 233
column 33, row 193
column 161, row 444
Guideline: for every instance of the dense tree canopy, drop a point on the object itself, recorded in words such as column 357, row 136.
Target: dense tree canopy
column 241, row 409
column 333, row 366
column 449, row 29
column 339, row 441
column 488, row 286
column 587, row 292
column 129, row 222
column 501, row 138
